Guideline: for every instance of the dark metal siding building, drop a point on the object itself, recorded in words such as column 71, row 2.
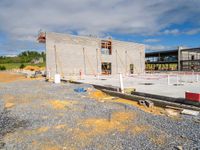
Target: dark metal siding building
column 174, row 60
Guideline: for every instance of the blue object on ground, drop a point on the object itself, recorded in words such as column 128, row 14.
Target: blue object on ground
column 80, row 90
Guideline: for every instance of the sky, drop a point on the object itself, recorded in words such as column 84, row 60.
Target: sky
column 159, row 24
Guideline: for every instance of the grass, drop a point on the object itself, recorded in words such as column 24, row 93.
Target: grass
column 10, row 66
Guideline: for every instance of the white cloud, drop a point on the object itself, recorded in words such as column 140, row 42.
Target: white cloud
column 13, row 47
column 159, row 47
column 22, row 19
column 173, row 32
column 193, row 31
column 151, row 40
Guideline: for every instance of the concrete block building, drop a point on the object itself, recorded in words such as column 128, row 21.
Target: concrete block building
column 71, row 55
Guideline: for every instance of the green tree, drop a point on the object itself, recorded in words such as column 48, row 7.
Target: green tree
column 2, row 68
column 22, row 66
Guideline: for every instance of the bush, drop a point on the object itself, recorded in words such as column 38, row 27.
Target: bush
column 2, row 68
column 22, row 66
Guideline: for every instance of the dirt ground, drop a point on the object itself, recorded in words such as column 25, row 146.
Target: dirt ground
column 39, row 115
column 10, row 77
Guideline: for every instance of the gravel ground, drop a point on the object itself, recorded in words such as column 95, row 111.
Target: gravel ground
column 35, row 115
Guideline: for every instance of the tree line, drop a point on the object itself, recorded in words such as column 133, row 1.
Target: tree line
column 23, row 57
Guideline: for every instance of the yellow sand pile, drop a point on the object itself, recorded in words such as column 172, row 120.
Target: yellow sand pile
column 32, row 68
column 153, row 110
column 100, row 96
column 101, row 126
column 9, row 105
column 120, row 121
column 58, row 104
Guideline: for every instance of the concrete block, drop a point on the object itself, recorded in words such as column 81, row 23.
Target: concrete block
column 149, row 103
column 190, row 112
column 142, row 102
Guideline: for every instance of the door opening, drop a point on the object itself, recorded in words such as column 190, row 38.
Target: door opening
column 106, row 68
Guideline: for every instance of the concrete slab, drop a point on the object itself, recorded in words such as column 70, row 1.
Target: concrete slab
column 171, row 85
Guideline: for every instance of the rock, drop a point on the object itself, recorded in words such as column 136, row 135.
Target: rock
column 179, row 147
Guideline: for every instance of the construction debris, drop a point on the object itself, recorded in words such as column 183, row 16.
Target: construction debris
column 129, row 90
column 149, row 103
column 142, row 102
column 190, row 112
column 197, row 121
column 80, row 90
column 146, row 103
column 172, row 112
column 34, row 74
column 178, row 147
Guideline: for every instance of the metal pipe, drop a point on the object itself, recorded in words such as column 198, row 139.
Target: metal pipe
column 84, row 61
column 168, row 79
column 121, row 83
column 56, row 58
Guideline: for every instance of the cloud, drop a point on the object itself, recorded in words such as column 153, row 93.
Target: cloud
column 22, row 19
column 14, row 47
column 151, row 40
column 159, row 47
column 193, row 31
column 178, row 32
column 172, row 32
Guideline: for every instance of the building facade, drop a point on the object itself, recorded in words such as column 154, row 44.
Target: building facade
column 181, row 59
column 71, row 55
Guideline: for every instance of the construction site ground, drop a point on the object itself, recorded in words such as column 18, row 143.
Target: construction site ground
column 157, row 84
column 39, row 115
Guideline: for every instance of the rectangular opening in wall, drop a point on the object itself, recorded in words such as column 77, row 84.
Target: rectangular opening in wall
column 106, row 47
column 131, row 68
column 192, row 57
column 106, row 68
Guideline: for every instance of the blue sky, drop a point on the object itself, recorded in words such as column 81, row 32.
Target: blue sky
column 159, row 24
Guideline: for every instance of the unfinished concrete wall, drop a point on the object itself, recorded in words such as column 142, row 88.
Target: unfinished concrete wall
column 126, row 53
column 70, row 54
